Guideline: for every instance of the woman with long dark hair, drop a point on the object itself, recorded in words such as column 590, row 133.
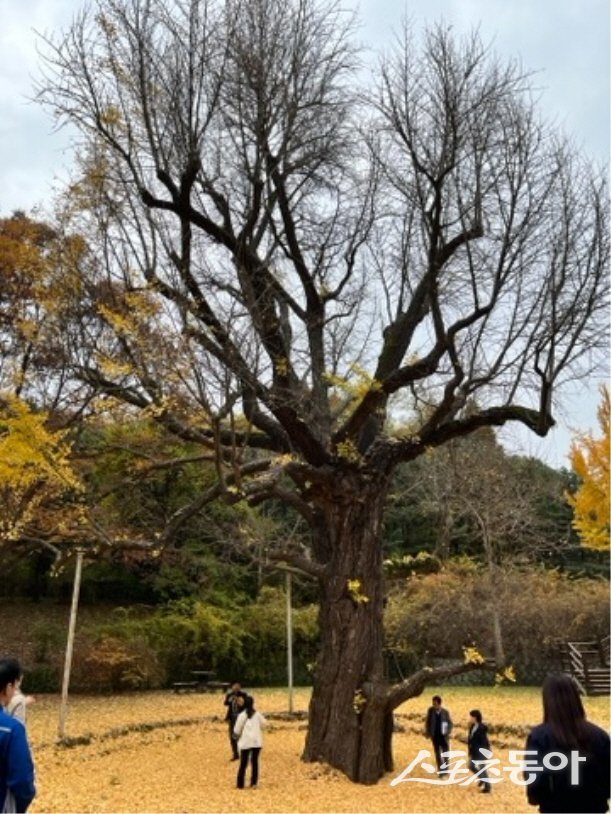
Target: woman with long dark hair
column 250, row 740
column 572, row 755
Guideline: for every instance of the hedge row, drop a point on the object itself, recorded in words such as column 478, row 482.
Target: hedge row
column 141, row 648
column 429, row 618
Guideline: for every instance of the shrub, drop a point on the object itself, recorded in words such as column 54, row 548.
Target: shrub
column 48, row 637
column 111, row 664
column 265, row 642
column 41, row 678
column 432, row 616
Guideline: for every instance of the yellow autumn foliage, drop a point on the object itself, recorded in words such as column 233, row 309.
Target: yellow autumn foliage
column 471, row 655
column 590, row 460
column 348, row 451
column 354, row 589
column 34, row 465
column 506, row 674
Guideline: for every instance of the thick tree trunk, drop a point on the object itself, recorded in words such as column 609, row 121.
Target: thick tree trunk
column 349, row 718
column 351, row 711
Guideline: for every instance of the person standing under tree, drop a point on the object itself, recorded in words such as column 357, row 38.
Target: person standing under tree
column 250, row 740
column 234, row 701
column 16, row 767
column 478, row 740
column 438, row 728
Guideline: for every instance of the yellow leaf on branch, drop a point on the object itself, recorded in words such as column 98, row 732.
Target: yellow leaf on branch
column 472, row 656
column 34, row 465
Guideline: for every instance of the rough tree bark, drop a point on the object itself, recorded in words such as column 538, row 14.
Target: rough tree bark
column 348, row 701
column 351, row 721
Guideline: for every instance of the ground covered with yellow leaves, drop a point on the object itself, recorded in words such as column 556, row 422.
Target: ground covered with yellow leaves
column 162, row 752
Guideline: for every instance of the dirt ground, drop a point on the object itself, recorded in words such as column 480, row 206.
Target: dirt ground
column 159, row 752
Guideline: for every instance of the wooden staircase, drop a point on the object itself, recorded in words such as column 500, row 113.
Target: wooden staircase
column 588, row 663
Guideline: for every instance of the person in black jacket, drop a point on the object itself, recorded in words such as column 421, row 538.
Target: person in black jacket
column 478, row 740
column 583, row 783
column 438, row 728
column 234, row 701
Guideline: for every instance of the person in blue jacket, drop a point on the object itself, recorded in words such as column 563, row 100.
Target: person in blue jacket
column 16, row 767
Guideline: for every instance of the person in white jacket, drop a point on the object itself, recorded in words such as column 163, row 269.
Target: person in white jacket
column 250, row 740
column 16, row 707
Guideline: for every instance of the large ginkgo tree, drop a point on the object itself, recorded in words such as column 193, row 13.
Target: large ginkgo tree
column 283, row 249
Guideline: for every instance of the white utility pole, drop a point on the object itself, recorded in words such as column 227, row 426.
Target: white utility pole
column 289, row 638
column 63, row 710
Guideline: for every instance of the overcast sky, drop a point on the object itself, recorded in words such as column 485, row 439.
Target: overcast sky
column 565, row 41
